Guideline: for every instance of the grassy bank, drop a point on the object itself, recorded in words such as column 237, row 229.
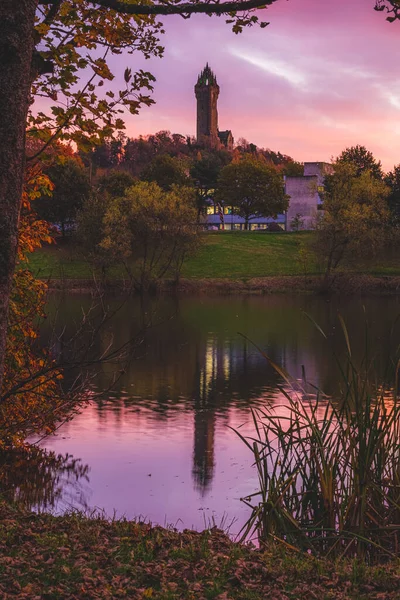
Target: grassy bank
column 247, row 255
column 234, row 256
column 45, row 557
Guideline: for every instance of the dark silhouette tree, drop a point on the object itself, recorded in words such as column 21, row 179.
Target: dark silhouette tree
column 139, row 152
column 392, row 180
column 363, row 160
column 293, row 169
column 165, row 171
column 252, row 187
column 71, row 188
column 204, row 172
column 116, row 183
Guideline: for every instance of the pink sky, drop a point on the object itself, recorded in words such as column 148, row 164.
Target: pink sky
column 322, row 76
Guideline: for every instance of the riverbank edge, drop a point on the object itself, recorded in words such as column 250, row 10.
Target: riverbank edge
column 75, row 556
column 343, row 284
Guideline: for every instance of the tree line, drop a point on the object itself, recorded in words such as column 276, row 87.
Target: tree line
column 249, row 180
column 152, row 220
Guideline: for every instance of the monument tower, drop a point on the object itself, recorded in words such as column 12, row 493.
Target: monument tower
column 207, row 92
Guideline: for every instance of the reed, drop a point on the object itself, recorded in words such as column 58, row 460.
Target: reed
column 329, row 470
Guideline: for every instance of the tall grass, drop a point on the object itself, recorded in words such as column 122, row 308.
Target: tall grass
column 329, row 470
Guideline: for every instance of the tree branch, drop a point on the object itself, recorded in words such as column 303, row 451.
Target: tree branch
column 51, row 15
column 65, row 122
column 390, row 6
column 176, row 9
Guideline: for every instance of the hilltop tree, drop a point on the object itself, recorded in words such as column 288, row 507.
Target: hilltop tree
column 108, row 153
column 206, row 169
column 362, row 159
column 293, row 169
column 60, row 49
column 166, row 172
column 252, row 187
column 139, row 152
column 392, row 180
column 246, row 147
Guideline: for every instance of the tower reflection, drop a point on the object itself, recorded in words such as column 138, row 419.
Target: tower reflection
column 193, row 374
column 228, row 373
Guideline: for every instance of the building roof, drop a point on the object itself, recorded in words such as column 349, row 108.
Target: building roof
column 229, row 219
column 224, row 135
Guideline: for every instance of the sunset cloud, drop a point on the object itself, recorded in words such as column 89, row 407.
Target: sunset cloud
column 276, row 67
column 322, row 76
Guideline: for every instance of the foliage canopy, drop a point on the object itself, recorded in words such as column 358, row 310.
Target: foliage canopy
column 166, row 172
column 363, row 160
column 70, row 188
column 116, row 183
column 31, row 399
column 148, row 230
column 355, row 217
column 251, row 186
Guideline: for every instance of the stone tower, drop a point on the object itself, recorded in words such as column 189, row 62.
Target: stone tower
column 207, row 92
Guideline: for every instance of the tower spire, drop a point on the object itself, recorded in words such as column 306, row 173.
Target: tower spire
column 207, row 92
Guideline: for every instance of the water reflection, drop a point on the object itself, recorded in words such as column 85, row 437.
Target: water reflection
column 157, row 440
column 225, row 375
column 44, row 481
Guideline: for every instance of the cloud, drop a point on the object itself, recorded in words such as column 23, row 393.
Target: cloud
column 391, row 94
column 272, row 66
column 322, row 76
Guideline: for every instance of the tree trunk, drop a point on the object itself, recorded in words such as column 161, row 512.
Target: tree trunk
column 16, row 52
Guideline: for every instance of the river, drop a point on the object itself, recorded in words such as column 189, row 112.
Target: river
column 157, row 440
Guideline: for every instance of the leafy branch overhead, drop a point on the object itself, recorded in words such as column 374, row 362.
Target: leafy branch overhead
column 392, row 7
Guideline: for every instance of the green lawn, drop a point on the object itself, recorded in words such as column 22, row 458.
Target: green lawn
column 61, row 261
column 236, row 255
column 240, row 255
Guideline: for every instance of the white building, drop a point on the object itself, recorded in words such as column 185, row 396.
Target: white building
column 306, row 194
column 305, row 200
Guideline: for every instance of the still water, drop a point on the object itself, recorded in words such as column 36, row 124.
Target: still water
column 159, row 442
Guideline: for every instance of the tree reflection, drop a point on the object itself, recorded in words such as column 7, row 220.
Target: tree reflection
column 43, row 481
column 191, row 360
